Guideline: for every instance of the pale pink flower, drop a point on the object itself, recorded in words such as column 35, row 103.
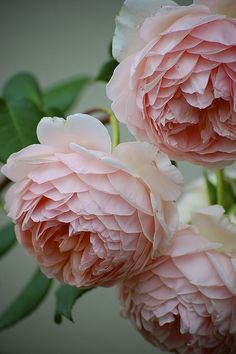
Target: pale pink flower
column 186, row 301
column 88, row 215
column 176, row 84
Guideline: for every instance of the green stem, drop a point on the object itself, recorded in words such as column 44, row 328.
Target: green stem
column 211, row 188
column 115, row 130
column 220, row 187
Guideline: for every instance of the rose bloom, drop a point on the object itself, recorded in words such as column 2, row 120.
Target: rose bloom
column 88, row 215
column 186, row 301
column 176, row 84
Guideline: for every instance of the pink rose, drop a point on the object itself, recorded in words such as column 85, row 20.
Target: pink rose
column 186, row 302
column 176, row 84
column 88, row 215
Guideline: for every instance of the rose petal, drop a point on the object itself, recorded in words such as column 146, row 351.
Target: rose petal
column 153, row 166
column 216, row 227
column 81, row 129
column 127, row 39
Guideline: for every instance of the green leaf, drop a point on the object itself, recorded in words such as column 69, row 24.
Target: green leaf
column 232, row 210
column 7, row 238
column 232, row 182
column 61, row 98
column 211, row 189
column 106, row 70
column 18, row 122
column 229, row 193
column 225, row 190
column 66, row 297
column 27, row 301
column 23, row 85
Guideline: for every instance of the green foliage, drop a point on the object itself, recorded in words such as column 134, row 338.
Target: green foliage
column 66, row 297
column 232, row 182
column 27, row 301
column 7, row 238
column 19, row 119
column 62, row 97
column 23, row 85
column 211, row 189
column 21, row 108
column 23, row 105
column 229, row 193
column 106, row 71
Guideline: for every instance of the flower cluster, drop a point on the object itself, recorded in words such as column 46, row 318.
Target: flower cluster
column 96, row 216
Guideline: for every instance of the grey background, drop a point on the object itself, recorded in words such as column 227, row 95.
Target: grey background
column 56, row 40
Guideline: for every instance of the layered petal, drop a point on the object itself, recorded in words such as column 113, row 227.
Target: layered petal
column 90, row 216
column 166, row 180
column 176, row 86
column 184, row 302
column 215, row 226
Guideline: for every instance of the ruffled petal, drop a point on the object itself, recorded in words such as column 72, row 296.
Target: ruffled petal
column 19, row 164
column 153, row 166
column 133, row 13
column 81, row 129
column 216, row 227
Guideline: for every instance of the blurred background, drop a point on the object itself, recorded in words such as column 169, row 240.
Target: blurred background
column 56, row 40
